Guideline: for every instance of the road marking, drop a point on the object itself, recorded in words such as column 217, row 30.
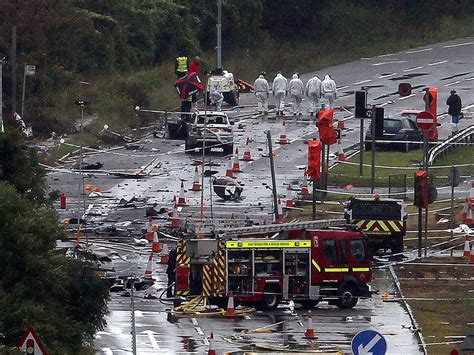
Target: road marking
column 194, row 321
column 419, row 50
column 363, row 82
column 151, row 337
column 406, row 97
column 437, row 63
column 386, row 75
column 411, row 69
column 468, row 79
column 385, row 55
column 451, row 84
column 107, row 351
column 390, row 62
column 138, row 313
column 342, row 87
column 199, row 330
column 459, row 44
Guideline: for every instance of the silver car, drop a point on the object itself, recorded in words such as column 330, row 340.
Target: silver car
column 211, row 128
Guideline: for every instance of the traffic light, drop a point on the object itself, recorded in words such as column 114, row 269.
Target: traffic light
column 314, row 160
column 30, row 347
column 421, row 189
column 361, row 110
column 379, row 113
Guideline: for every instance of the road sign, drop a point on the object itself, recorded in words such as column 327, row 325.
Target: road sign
column 425, row 120
column 30, row 69
column 30, row 343
column 369, row 342
column 454, row 176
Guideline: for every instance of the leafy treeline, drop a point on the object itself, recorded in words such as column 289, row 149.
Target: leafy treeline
column 71, row 39
column 61, row 298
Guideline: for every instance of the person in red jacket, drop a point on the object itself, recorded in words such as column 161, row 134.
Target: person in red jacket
column 195, row 67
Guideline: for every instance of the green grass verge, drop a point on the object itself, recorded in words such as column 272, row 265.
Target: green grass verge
column 344, row 174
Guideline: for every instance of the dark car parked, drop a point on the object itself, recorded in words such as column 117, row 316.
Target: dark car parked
column 400, row 129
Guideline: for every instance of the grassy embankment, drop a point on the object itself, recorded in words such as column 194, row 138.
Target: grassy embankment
column 400, row 163
column 451, row 313
column 114, row 96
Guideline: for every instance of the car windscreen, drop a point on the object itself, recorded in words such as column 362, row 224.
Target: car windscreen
column 216, row 119
column 392, row 124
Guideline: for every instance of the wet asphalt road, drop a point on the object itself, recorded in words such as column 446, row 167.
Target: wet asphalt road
column 446, row 66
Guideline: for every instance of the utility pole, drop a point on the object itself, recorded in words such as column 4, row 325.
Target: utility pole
column 219, row 36
column 14, row 69
column 372, row 172
column 272, row 169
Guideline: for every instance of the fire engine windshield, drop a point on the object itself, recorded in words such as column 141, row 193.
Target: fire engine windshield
column 358, row 250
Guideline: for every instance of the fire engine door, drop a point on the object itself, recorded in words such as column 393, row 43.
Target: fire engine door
column 296, row 277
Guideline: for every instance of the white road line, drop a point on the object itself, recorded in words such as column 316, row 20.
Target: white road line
column 107, row 351
column 451, row 84
column 406, row 97
column 363, row 82
column 386, row 75
column 419, row 50
column 459, row 44
column 342, row 87
column 390, row 62
column 194, row 321
column 199, row 331
column 411, row 69
column 468, row 79
column 437, row 63
column 385, row 55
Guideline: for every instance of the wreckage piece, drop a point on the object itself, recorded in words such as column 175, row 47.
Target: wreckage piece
column 227, row 188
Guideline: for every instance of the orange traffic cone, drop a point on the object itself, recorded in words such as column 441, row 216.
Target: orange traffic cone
column 340, row 124
column 247, row 156
column 289, row 197
column 164, row 257
column 175, row 222
column 149, row 268
column 236, row 164
column 469, row 219
column 281, row 217
column 196, row 183
column 465, row 210
column 309, row 333
column 230, row 312
column 211, row 350
column 181, row 198
column 155, row 245
column 467, row 249
column 149, row 229
column 304, row 187
column 228, row 171
column 340, row 156
column 283, row 139
column 471, row 259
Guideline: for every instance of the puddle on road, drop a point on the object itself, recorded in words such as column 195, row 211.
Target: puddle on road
column 188, row 343
column 407, row 76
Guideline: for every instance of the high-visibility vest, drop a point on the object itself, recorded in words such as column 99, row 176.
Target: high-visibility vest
column 182, row 64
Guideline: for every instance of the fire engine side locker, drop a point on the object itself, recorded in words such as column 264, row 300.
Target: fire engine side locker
column 250, row 261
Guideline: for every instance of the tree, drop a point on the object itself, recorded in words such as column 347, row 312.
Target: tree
column 19, row 166
column 61, row 298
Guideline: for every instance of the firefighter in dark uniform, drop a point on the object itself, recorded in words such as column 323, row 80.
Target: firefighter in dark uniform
column 171, row 272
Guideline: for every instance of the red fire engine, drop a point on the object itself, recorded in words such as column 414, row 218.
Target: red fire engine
column 263, row 265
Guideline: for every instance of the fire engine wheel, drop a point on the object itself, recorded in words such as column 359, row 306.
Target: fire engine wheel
column 271, row 299
column 309, row 304
column 347, row 297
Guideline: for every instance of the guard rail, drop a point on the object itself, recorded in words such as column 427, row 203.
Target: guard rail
column 466, row 136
